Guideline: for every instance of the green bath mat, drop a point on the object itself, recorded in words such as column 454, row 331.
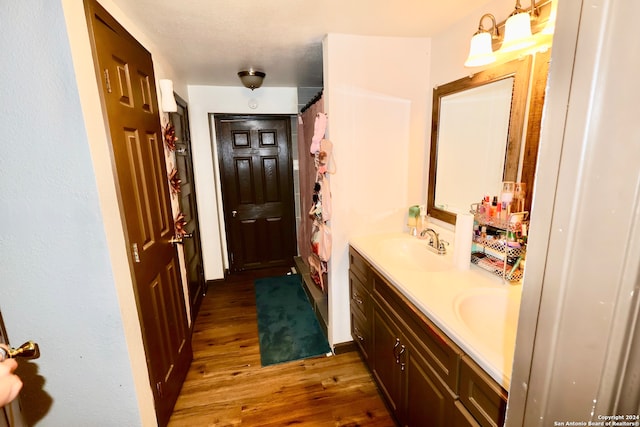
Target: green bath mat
column 287, row 326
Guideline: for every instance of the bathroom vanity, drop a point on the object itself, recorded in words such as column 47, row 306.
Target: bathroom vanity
column 439, row 342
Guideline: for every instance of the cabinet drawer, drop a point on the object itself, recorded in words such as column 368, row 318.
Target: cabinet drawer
column 360, row 267
column 359, row 295
column 442, row 354
column 485, row 399
column 462, row 417
column 361, row 333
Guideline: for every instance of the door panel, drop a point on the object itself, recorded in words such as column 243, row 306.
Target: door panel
column 125, row 74
column 189, row 207
column 257, row 190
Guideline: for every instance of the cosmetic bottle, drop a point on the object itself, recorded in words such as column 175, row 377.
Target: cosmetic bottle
column 506, row 196
column 519, row 194
column 486, row 205
column 494, row 207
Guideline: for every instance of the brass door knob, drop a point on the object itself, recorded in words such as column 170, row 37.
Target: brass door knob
column 175, row 240
column 28, row 350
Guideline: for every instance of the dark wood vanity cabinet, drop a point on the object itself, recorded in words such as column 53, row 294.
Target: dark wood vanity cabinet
column 418, row 369
column 361, row 303
column 417, row 396
column 415, row 365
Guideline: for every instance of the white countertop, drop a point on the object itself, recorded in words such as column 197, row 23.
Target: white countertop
column 477, row 310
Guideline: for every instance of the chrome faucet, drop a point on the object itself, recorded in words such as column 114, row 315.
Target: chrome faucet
column 435, row 244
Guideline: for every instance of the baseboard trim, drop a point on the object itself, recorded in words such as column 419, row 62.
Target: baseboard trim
column 317, row 298
column 344, row 347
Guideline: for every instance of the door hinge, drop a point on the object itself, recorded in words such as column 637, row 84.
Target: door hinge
column 107, row 80
column 159, row 388
column 136, row 254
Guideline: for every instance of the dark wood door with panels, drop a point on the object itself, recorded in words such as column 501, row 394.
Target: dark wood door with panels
column 189, row 207
column 126, row 80
column 257, row 190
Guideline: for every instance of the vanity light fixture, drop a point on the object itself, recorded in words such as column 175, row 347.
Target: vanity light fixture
column 517, row 29
column 480, row 50
column 550, row 27
column 167, row 100
column 251, row 78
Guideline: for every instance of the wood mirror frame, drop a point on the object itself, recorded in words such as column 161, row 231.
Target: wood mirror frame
column 521, row 71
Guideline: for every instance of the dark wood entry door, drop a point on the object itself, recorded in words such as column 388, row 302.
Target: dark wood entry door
column 127, row 83
column 257, row 190
column 189, row 207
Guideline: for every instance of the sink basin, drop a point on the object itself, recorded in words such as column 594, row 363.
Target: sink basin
column 411, row 254
column 491, row 314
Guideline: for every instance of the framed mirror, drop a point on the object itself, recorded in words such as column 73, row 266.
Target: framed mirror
column 476, row 137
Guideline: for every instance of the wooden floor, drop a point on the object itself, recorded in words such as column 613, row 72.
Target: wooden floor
column 226, row 386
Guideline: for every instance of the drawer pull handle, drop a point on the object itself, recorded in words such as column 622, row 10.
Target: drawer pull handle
column 356, row 298
column 402, row 350
column 356, row 332
column 395, row 353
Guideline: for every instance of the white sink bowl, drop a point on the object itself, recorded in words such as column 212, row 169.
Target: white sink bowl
column 490, row 314
column 411, row 253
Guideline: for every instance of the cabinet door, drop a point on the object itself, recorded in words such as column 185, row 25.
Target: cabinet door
column 387, row 348
column 428, row 401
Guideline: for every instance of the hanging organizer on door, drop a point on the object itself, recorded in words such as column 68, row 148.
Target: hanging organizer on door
column 320, row 213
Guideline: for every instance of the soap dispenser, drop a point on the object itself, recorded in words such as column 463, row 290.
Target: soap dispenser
column 412, row 221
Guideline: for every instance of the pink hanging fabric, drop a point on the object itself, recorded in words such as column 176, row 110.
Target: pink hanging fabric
column 307, row 173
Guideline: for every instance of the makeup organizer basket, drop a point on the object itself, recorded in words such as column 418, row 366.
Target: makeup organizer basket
column 503, row 251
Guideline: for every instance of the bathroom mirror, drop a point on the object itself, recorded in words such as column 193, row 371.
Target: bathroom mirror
column 476, row 137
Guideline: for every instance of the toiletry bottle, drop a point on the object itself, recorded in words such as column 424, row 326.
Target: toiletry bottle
column 506, row 197
column 519, row 194
column 422, row 222
column 486, row 205
column 494, row 207
column 412, row 220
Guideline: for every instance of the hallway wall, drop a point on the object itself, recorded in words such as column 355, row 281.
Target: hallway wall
column 377, row 123
column 58, row 286
column 204, row 101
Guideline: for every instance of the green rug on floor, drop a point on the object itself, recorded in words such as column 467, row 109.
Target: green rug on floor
column 287, row 326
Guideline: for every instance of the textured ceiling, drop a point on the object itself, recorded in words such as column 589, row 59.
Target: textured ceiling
column 209, row 41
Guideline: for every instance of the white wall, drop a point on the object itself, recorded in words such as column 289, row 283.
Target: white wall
column 204, row 101
column 58, row 284
column 376, row 96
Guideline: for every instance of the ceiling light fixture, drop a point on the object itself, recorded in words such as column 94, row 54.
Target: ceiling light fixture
column 480, row 50
column 251, row 79
column 517, row 29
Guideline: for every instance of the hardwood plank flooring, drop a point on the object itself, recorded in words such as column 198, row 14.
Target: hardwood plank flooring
column 227, row 386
